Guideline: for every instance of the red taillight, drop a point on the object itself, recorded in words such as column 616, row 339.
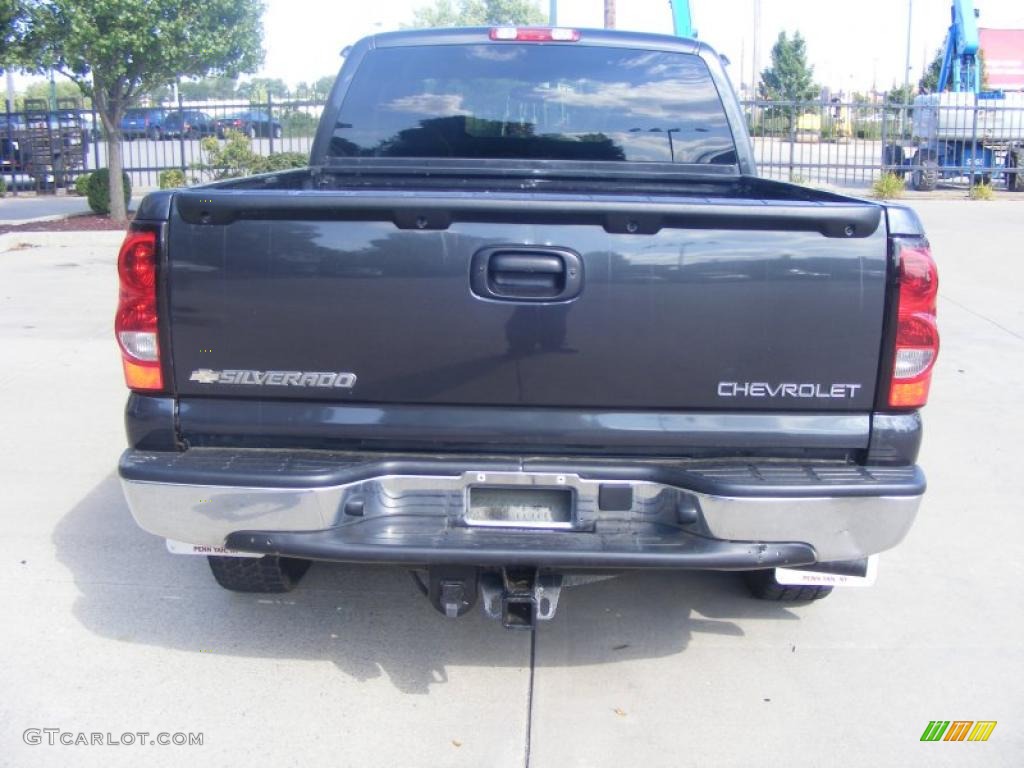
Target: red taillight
column 917, row 335
column 136, row 321
column 535, row 34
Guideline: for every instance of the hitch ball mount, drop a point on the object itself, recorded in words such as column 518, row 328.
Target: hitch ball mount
column 518, row 597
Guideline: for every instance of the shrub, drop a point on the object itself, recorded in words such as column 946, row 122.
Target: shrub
column 235, row 158
column 172, row 178
column 981, row 191
column 3, row 187
column 888, row 186
column 299, row 123
column 99, row 190
column 229, row 160
column 82, row 184
column 281, row 161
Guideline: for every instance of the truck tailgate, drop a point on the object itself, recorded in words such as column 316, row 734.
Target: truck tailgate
column 679, row 304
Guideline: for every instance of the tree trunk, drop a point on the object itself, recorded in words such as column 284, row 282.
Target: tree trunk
column 118, row 210
column 609, row 14
column 111, row 118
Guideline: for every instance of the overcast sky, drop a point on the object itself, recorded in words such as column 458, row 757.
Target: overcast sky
column 852, row 43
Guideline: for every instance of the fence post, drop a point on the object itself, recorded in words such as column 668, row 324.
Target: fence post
column 792, row 138
column 974, row 145
column 886, row 155
column 270, row 120
column 57, row 166
column 10, row 152
column 181, row 135
column 96, row 144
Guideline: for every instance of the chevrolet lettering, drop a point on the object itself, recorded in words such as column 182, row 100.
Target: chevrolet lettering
column 764, row 389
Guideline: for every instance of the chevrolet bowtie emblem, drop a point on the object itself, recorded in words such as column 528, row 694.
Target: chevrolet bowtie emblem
column 205, row 376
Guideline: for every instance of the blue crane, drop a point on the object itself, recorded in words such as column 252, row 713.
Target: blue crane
column 682, row 19
column 952, row 135
column 961, row 63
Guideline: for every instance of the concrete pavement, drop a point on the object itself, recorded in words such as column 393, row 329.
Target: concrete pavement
column 104, row 631
column 24, row 207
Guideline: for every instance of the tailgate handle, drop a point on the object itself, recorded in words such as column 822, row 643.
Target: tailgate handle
column 526, row 274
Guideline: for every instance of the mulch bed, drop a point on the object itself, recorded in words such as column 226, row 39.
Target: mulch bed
column 86, row 222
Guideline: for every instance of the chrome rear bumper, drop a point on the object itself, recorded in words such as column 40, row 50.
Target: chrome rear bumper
column 775, row 514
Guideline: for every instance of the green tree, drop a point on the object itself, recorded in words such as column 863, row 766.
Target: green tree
column 899, row 95
column 159, row 94
column 259, row 88
column 206, row 88
column 12, row 16
column 118, row 50
column 477, row 13
column 40, row 89
column 322, row 86
column 790, row 77
column 929, row 82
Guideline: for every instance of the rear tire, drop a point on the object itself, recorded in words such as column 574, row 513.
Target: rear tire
column 763, row 586
column 1015, row 178
column 270, row 574
column 925, row 176
column 892, row 154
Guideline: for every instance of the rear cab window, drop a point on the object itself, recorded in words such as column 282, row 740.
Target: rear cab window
column 523, row 100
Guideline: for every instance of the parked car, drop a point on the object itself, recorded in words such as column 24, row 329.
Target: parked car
column 190, row 123
column 144, row 123
column 508, row 328
column 252, row 123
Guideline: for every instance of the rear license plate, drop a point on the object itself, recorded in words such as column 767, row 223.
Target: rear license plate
column 520, row 507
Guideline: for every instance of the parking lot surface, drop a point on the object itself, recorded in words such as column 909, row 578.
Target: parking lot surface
column 104, row 632
column 17, row 210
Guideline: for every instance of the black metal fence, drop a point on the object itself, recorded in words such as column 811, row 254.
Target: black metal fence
column 43, row 150
column 935, row 141
column 947, row 140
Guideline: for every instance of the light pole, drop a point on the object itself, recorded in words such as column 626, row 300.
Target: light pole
column 553, row 13
column 906, row 68
column 756, row 51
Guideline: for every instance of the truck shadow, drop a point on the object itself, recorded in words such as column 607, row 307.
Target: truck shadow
column 370, row 621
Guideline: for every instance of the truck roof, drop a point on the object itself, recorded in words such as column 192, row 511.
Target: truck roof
column 611, row 38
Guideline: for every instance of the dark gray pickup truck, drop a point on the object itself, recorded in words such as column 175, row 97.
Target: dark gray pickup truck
column 528, row 316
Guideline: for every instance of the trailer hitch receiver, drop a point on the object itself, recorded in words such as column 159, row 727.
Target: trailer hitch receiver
column 520, row 598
